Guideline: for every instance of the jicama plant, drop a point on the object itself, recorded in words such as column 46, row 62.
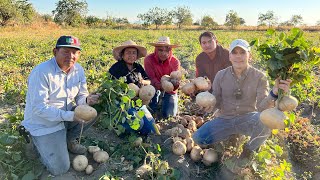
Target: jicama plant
column 287, row 56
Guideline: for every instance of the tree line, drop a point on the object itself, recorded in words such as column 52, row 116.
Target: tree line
column 74, row 13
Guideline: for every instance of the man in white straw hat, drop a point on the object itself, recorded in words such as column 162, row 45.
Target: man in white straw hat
column 127, row 54
column 160, row 63
column 242, row 92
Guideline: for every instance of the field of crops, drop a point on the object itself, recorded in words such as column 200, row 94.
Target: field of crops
column 22, row 49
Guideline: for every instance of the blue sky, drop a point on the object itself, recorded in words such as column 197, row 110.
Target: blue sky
column 247, row 9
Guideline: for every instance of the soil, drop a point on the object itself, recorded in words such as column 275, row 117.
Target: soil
column 187, row 168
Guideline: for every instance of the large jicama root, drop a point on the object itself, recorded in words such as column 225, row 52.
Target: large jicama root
column 167, row 86
column 189, row 88
column 146, row 93
column 209, row 156
column 93, row 149
column 206, row 99
column 196, row 153
column 273, row 118
column 176, row 75
column 100, row 156
column 85, row 112
column 89, row 169
column 201, row 83
column 288, row 103
column 179, row 148
column 79, row 163
column 134, row 87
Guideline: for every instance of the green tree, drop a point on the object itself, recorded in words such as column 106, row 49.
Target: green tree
column 156, row 15
column 296, row 20
column 208, row 21
column 93, row 21
column 7, row 11
column 182, row 16
column 268, row 18
column 242, row 21
column 47, row 17
column 70, row 12
column 232, row 19
column 26, row 10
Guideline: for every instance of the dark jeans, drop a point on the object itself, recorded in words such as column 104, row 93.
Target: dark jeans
column 168, row 103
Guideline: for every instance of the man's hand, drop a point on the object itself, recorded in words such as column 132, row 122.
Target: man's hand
column 176, row 84
column 93, row 98
column 281, row 84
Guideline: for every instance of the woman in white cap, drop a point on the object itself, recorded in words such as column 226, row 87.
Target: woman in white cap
column 160, row 63
column 127, row 54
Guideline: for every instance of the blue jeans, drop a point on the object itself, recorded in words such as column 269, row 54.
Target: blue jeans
column 146, row 123
column 220, row 129
column 53, row 147
column 169, row 104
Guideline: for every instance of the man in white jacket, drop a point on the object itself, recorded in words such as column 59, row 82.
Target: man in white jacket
column 55, row 87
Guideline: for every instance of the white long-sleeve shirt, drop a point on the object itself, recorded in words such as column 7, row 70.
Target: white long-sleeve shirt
column 51, row 95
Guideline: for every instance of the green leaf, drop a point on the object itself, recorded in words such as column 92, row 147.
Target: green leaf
column 6, row 139
column 29, row 176
column 263, row 155
column 131, row 93
column 139, row 102
column 140, row 114
column 125, row 99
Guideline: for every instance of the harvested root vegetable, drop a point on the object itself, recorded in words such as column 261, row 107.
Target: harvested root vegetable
column 167, row 86
column 288, row 103
column 93, row 149
column 165, row 78
column 138, row 142
column 89, row 169
column 190, row 144
column 176, row 75
column 189, row 88
column 201, row 83
column 179, row 148
column 147, row 92
column 196, row 153
column 185, row 133
column 143, row 170
column 206, row 99
column 85, row 112
column 184, row 122
column 79, row 163
column 180, row 126
column 175, row 131
column 273, row 118
column 134, row 87
column 192, row 126
column 209, row 156
column 100, row 156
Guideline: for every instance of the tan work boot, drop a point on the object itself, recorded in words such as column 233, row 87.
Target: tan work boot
column 76, row 148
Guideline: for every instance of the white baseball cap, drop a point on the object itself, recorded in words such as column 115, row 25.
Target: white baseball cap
column 240, row 43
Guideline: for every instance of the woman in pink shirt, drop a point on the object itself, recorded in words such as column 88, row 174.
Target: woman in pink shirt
column 162, row 62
